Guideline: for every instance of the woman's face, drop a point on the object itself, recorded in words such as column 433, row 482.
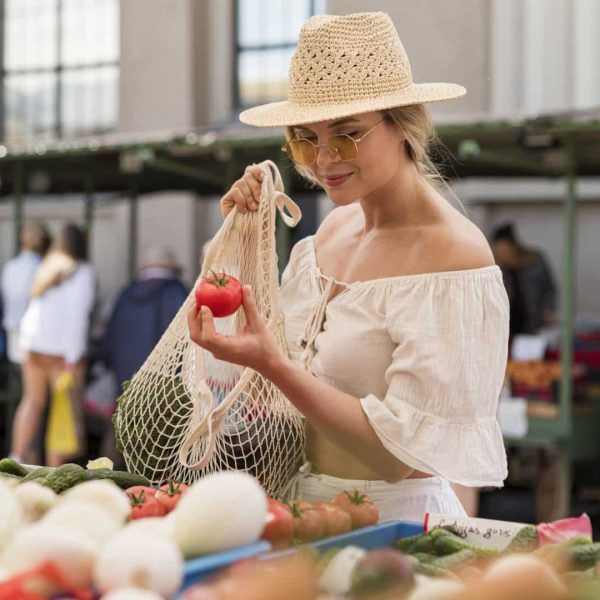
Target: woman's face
column 381, row 154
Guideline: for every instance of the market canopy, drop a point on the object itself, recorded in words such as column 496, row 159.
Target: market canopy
column 207, row 161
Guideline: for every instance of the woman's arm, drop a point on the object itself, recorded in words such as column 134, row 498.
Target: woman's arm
column 336, row 415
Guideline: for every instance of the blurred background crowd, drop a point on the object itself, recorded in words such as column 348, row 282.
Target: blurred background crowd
column 119, row 133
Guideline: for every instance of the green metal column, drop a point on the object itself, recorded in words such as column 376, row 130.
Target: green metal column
column 133, row 230
column 567, row 294
column 88, row 208
column 18, row 187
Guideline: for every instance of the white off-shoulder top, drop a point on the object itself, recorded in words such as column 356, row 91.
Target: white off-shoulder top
column 426, row 355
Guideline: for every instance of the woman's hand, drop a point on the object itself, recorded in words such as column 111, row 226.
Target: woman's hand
column 255, row 347
column 244, row 193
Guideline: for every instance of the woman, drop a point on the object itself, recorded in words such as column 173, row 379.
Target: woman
column 395, row 313
column 54, row 337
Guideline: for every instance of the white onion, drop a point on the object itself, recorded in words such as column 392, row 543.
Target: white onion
column 105, row 494
column 222, row 511
column 161, row 526
column 74, row 552
column 140, row 560
column 84, row 516
column 131, row 593
column 11, row 515
column 35, row 499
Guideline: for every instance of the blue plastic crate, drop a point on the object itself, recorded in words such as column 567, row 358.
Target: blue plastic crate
column 376, row 536
column 199, row 568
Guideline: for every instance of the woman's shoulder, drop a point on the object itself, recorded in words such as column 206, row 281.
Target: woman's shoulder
column 456, row 245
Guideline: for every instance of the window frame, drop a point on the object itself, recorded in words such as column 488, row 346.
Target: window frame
column 57, row 72
column 238, row 49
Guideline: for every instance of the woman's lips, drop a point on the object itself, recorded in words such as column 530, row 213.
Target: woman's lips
column 335, row 180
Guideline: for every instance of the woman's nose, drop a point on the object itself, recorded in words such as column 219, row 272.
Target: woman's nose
column 326, row 155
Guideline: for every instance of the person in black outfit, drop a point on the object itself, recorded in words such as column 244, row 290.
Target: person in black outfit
column 142, row 313
column 529, row 282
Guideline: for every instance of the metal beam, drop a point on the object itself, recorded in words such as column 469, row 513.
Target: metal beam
column 172, row 166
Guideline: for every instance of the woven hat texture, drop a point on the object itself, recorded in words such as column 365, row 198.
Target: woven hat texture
column 347, row 65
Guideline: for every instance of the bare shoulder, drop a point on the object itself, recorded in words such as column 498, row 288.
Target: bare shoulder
column 458, row 246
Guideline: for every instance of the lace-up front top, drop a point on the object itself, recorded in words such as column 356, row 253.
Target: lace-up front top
column 426, row 355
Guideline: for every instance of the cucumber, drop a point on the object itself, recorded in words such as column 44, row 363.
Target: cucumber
column 424, row 544
column 65, row 477
column 425, row 558
column 123, row 479
column 584, row 556
column 404, row 544
column 37, row 474
column 456, row 561
column 526, row 540
column 8, row 465
column 450, row 544
column 440, row 532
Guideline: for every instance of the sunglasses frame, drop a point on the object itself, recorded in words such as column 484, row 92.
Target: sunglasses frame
column 285, row 148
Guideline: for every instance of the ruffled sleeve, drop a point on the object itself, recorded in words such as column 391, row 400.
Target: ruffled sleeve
column 439, row 412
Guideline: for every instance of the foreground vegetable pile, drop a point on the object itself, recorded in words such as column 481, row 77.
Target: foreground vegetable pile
column 97, row 533
column 438, row 565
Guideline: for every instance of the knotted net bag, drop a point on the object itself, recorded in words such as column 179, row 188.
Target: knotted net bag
column 186, row 414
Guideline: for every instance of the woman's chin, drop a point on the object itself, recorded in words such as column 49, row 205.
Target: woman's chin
column 341, row 197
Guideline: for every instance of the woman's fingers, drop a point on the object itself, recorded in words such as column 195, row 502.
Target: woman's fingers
column 253, row 317
column 244, row 194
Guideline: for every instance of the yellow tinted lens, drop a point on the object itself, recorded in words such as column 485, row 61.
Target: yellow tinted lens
column 301, row 152
column 344, row 146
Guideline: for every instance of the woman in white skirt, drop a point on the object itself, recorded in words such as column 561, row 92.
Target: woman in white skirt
column 396, row 316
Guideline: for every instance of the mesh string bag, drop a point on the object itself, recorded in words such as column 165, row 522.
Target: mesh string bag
column 186, row 414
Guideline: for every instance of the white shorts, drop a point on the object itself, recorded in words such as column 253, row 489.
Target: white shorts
column 406, row 500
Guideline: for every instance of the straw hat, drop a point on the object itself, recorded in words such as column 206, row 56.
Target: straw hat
column 345, row 65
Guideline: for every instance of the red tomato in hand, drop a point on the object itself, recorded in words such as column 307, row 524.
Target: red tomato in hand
column 279, row 526
column 361, row 508
column 145, row 506
column 222, row 293
column 308, row 523
column 170, row 494
column 336, row 520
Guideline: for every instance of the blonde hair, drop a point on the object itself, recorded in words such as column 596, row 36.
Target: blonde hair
column 415, row 122
column 53, row 270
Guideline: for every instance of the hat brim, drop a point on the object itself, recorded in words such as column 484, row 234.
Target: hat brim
column 281, row 114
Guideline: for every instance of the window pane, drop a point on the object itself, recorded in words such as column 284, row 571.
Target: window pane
column 30, row 33
column 30, row 103
column 90, row 31
column 89, row 101
column 263, row 75
column 263, row 22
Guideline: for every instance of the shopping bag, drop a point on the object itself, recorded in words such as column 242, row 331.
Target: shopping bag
column 61, row 432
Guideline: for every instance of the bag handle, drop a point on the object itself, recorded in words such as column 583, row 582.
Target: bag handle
column 212, row 423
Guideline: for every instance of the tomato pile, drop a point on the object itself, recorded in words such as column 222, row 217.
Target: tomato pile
column 298, row 521
column 147, row 501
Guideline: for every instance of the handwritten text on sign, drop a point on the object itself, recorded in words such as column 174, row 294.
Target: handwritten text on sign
column 485, row 533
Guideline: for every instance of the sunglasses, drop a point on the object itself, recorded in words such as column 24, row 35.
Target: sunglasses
column 304, row 152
